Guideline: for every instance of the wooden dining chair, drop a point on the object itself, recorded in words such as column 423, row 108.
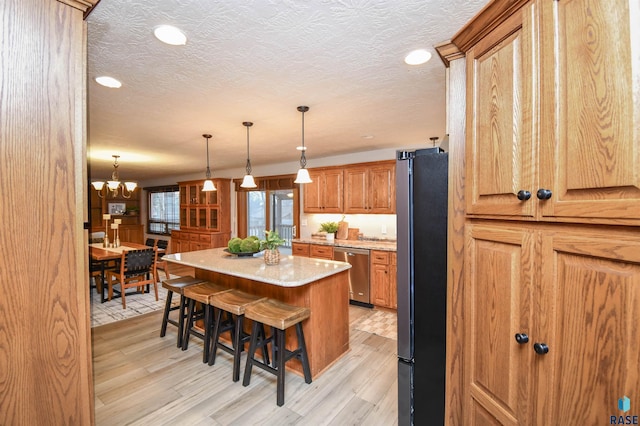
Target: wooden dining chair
column 163, row 264
column 137, row 269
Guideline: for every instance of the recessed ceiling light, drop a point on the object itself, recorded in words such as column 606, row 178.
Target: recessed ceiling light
column 301, row 148
column 417, row 57
column 367, row 136
column 107, row 81
column 170, row 35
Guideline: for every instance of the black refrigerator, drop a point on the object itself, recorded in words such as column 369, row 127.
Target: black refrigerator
column 421, row 207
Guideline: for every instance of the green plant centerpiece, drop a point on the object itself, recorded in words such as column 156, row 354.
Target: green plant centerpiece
column 330, row 228
column 237, row 245
column 270, row 246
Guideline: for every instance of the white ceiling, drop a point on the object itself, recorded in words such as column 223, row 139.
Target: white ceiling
column 257, row 60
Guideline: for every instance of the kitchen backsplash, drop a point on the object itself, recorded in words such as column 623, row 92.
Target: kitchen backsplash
column 370, row 225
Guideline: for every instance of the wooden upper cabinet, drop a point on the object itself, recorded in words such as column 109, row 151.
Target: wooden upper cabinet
column 553, row 109
column 324, row 193
column 590, row 109
column 500, row 159
column 370, row 188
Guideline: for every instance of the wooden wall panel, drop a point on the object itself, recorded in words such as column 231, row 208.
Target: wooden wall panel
column 45, row 352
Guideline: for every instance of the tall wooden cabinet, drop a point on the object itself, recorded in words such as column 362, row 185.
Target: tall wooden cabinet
column 205, row 217
column 550, row 294
column 45, row 331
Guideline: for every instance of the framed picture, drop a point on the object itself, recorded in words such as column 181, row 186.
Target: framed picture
column 117, row 208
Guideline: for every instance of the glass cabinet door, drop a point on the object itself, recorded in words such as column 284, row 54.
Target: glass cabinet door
column 193, row 194
column 202, row 217
column 193, row 220
column 183, row 216
column 213, row 219
column 183, row 195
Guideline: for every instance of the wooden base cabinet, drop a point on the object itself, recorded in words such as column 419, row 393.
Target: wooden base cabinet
column 552, row 336
column 383, row 280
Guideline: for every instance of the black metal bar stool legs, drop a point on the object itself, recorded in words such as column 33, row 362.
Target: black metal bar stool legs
column 176, row 285
column 234, row 303
column 201, row 293
column 280, row 317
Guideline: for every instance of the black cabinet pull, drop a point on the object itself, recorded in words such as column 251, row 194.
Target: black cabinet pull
column 524, row 195
column 541, row 348
column 522, row 338
column 544, row 194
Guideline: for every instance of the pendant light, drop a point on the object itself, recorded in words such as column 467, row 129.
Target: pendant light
column 208, row 184
column 303, row 173
column 247, row 181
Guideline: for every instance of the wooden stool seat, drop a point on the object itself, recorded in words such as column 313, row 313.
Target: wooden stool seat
column 277, row 314
column 176, row 285
column 280, row 316
column 233, row 302
column 201, row 293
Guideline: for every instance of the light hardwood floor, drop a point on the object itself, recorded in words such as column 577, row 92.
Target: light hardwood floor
column 142, row 379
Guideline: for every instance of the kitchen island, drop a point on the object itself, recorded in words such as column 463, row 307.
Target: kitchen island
column 321, row 285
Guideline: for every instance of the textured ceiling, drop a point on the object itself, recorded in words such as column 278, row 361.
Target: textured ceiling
column 257, row 61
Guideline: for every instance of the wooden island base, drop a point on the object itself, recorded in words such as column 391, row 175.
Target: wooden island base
column 326, row 331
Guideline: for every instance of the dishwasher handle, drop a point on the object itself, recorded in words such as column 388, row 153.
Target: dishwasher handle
column 350, row 251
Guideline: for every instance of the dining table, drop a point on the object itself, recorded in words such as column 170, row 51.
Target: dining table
column 103, row 255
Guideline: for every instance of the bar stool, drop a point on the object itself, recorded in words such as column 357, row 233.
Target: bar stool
column 233, row 302
column 280, row 316
column 201, row 293
column 176, row 285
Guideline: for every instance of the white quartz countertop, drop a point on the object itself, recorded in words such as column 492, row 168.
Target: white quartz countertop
column 364, row 244
column 293, row 271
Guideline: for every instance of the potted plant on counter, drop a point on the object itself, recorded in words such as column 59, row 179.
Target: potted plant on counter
column 270, row 246
column 330, row 228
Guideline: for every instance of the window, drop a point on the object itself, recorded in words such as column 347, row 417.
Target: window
column 163, row 209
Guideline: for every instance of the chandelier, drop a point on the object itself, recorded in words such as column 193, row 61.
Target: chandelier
column 114, row 185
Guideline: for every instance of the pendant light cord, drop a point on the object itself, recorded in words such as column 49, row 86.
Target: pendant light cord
column 208, row 174
column 303, row 158
column 248, row 124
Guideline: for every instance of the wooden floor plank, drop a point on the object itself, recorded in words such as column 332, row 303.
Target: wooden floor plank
column 142, row 379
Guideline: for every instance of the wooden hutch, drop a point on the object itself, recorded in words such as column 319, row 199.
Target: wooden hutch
column 205, row 217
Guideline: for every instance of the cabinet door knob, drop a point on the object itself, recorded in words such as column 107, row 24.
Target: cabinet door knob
column 524, row 195
column 522, row 338
column 544, row 194
column 541, row 348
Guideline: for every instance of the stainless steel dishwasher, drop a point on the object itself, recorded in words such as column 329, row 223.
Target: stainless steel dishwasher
column 358, row 274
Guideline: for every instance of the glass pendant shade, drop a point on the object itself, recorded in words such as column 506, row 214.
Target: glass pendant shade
column 248, row 182
column 303, row 176
column 113, row 185
column 208, row 185
column 130, row 186
column 98, row 185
